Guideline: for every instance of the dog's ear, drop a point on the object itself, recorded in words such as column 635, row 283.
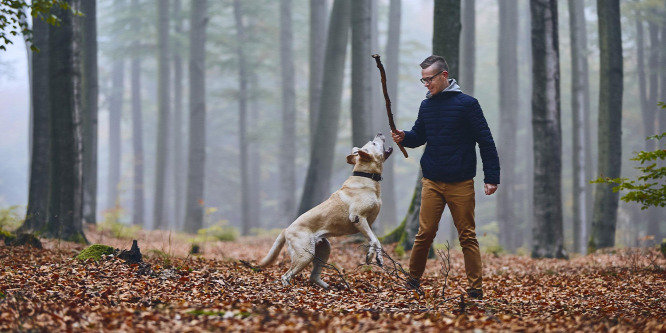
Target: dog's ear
column 351, row 158
column 364, row 155
column 387, row 153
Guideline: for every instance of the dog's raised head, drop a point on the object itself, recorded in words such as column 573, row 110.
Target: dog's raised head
column 370, row 158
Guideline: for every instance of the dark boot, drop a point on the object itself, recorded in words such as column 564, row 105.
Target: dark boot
column 412, row 283
column 475, row 294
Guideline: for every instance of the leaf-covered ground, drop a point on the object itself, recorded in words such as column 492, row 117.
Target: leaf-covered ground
column 49, row 290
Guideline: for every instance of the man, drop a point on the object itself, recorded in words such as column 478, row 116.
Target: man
column 451, row 123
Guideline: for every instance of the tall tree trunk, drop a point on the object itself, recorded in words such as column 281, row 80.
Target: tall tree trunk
column 446, row 36
column 388, row 214
column 652, row 110
column 604, row 217
column 177, row 130
column 446, row 22
column 525, row 144
column 254, row 155
column 578, row 110
column 361, row 90
column 242, row 118
column 36, row 215
column 318, row 26
column 318, row 179
column 648, row 111
column 468, row 45
column 137, row 129
column 90, row 90
column 509, row 103
column 661, row 234
column 28, row 49
column 548, row 239
column 115, row 113
column 197, row 158
column 163, row 75
column 287, row 154
column 66, row 186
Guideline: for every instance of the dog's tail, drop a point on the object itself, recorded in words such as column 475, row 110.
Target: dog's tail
column 274, row 252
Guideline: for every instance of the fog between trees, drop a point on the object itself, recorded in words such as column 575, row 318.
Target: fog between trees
column 249, row 69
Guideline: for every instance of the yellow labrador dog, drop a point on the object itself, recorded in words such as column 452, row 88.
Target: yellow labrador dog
column 351, row 209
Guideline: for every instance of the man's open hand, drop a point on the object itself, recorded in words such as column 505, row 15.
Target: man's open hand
column 398, row 135
column 490, row 188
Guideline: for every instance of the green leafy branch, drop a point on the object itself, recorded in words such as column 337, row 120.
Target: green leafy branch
column 14, row 20
column 649, row 189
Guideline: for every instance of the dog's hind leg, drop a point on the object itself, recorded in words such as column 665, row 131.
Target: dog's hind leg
column 322, row 251
column 298, row 250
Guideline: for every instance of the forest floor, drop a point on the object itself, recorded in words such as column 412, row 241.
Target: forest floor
column 50, row 290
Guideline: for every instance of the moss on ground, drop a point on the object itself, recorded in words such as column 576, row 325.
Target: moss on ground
column 95, row 251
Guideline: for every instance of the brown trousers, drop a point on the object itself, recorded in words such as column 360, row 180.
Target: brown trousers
column 460, row 198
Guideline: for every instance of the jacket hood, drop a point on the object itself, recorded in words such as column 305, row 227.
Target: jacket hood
column 453, row 87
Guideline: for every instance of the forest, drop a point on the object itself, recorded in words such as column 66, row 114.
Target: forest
column 201, row 129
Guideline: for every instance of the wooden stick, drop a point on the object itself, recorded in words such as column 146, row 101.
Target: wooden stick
column 388, row 100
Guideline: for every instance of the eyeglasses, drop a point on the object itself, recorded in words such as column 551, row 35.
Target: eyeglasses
column 429, row 79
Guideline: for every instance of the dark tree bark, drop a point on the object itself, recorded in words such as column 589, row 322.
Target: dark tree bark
column 90, row 88
column 509, row 103
column 163, row 77
column 468, row 45
column 318, row 25
column 177, row 130
column 388, row 214
column 447, row 22
column 137, row 130
column 361, row 90
column 287, row 154
column 548, row 239
column 604, row 217
column 445, row 40
column 65, row 219
column 318, row 179
column 115, row 113
column 242, row 118
column 36, row 215
column 578, row 110
column 197, row 157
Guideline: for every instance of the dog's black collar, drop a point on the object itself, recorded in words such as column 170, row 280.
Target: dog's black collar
column 374, row 176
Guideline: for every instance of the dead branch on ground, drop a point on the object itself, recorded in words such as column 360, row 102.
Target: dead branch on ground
column 329, row 266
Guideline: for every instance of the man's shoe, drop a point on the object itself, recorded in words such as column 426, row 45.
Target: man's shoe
column 412, row 283
column 475, row 294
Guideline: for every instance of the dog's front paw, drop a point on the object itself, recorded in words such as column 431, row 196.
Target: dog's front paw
column 379, row 257
column 368, row 257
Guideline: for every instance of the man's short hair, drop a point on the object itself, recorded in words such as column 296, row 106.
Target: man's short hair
column 439, row 61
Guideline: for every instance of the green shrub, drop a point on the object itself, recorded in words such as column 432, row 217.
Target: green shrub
column 219, row 231
column 95, row 251
column 10, row 218
column 488, row 241
column 6, row 235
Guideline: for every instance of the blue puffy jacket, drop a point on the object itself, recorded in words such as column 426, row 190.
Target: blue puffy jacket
column 452, row 123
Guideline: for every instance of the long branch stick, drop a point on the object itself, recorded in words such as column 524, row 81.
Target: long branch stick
column 388, row 100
